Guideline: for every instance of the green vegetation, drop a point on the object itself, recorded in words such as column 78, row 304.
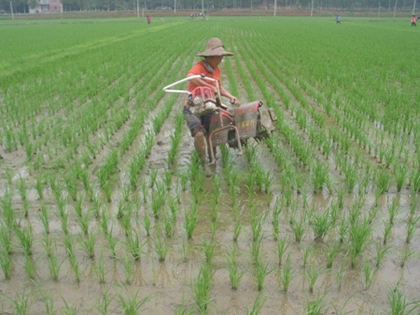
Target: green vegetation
column 98, row 177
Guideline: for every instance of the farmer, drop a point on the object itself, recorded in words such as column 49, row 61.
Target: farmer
column 413, row 20
column 209, row 66
column 149, row 19
column 338, row 19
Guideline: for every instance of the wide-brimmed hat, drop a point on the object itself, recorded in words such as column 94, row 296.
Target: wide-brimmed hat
column 215, row 48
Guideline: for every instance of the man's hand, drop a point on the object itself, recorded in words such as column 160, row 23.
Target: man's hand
column 234, row 101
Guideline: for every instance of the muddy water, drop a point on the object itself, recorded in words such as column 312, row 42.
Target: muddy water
column 167, row 285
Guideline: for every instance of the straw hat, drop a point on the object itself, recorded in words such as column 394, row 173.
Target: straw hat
column 215, row 48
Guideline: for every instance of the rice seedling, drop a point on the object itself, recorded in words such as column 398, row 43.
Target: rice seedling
column 54, row 265
column 158, row 199
column 153, row 177
column 320, row 176
column 88, row 244
column 393, row 210
column 191, row 220
column 387, row 232
column 168, row 224
column 372, row 214
column 201, row 287
column 39, row 186
column 5, row 239
column 287, row 274
column 125, row 192
column 173, row 204
column 6, row 264
column 112, row 243
column 341, row 311
column 399, row 304
column 380, row 253
column 320, row 224
column 359, row 235
column 282, row 245
column 339, row 274
column 30, row 267
column 331, row 253
column 100, row 268
column 306, row 253
column 8, row 211
column 21, row 302
column 209, row 250
column 48, row 302
column 68, row 245
column 131, row 305
column 256, row 248
column 311, row 275
column 68, row 309
column 84, row 222
column 407, row 253
column 257, row 225
column 75, row 265
column 184, row 250
column 26, row 239
column 168, row 180
column 258, row 304
column 196, row 188
column 182, row 309
column 250, row 189
column 237, row 230
column 368, row 273
column 128, row 265
column 383, row 178
column 216, row 181
column 411, row 228
column 104, row 222
column 64, row 220
column 147, row 224
column 261, row 272
column 235, row 275
column 400, row 175
column 135, row 247
column 126, row 223
column 43, row 217
column 298, row 226
column 104, row 302
column 22, row 189
column 161, row 247
column 316, row 307
column 71, row 184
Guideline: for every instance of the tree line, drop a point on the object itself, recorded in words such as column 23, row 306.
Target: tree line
column 22, row 6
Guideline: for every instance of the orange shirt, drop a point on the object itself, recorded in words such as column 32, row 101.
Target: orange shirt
column 199, row 68
column 413, row 19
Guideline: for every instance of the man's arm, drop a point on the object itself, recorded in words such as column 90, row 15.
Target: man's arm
column 232, row 98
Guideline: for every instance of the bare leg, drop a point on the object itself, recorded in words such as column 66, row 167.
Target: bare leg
column 200, row 144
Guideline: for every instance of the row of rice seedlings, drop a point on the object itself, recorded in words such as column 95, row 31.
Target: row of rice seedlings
column 333, row 87
column 353, row 181
column 201, row 287
column 301, row 151
column 263, row 178
column 107, row 188
column 129, row 304
column 175, row 138
column 235, row 275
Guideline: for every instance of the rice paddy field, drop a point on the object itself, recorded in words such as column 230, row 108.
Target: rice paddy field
column 104, row 207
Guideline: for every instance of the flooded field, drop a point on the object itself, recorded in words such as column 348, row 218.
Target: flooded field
column 104, row 207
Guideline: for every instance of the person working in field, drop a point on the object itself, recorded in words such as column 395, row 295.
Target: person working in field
column 209, row 66
column 413, row 20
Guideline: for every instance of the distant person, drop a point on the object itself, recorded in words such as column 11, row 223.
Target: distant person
column 413, row 20
column 338, row 19
column 148, row 19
